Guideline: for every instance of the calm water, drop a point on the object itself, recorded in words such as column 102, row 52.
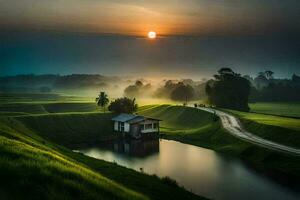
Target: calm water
column 199, row 170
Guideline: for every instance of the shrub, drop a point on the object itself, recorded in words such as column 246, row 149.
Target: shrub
column 123, row 105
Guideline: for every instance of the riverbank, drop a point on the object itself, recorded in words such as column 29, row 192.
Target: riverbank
column 53, row 124
column 211, row 135
column 35, row 166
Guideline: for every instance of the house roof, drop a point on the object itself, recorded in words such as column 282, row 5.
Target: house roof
column 124, row 117
column 137, row 119
column 130, row 118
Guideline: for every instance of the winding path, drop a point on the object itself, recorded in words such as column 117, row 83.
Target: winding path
column 233, row 126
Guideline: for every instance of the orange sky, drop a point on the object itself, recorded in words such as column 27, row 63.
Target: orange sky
column 168, row 17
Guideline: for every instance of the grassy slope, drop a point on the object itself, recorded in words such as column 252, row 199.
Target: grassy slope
column 177, row 118
column 284, row 122
column 49, row 107
column 290, row 109
column 210, row 134
column 183, row 124
column 36, row 170
column 39, row 169
column 279, row 129
column 71, row 129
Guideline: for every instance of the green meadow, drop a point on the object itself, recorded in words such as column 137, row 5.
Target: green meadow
column 36, row 162
column 289, row 109
column 284, row 130
column 192, row 126
column 36, row 138
column 272, row 120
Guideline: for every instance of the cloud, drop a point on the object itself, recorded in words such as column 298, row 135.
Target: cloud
column 188, row 17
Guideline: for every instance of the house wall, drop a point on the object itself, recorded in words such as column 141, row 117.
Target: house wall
column 150, row 130
column 116, row 126
column 147, row 123
column 126, row 127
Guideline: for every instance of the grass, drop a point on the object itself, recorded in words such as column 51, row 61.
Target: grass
column 27, row 164
column 71, row 129
column 40, row 97
column 26, row 168
column 288, row 109
column 35, row 165
column 177, row 118
column 283, row 130
column 203, row 131
column 46, row 107
column 31, row 140
column 277, row 121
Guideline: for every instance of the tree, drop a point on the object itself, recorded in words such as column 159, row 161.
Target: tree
column 137, row 90
column 228, row 90
column 226, row 71
column 182, row 92
column 296, row 78
column 261, row 81
column 123, row 105
column 102, row 100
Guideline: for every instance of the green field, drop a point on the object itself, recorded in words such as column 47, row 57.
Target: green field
column 45, row 108
column 289, row 109
column 34, row 136
column 177, row 118
column 278, row 121
column 34, row 163
column 196, row 127
column 283, row 130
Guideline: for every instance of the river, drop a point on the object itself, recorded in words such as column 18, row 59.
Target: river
column 199, row 170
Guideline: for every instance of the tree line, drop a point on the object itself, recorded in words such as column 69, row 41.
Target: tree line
column 227, row 89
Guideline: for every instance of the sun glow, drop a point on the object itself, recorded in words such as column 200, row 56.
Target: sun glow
column 151, row 35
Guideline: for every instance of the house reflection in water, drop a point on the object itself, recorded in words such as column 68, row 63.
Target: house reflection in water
column 138, row 148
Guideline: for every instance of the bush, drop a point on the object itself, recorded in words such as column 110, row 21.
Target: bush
column 182, row 92
column 123, row 105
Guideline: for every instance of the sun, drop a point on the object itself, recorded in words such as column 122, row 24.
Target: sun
column 151, row 35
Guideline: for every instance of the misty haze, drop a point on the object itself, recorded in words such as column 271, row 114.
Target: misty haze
column 173, row 99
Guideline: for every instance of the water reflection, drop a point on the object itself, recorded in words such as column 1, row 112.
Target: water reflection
column 137, row 148
column 199, row 170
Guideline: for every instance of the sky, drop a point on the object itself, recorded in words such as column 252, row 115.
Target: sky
column 167, row 17
column 195, row 37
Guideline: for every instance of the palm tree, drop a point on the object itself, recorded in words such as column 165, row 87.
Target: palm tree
column 102, row 100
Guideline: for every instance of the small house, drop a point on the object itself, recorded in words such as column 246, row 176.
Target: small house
column 135, row 126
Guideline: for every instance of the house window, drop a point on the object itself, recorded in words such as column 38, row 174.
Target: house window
column 155, row 125
column 121, row 126
column 148, row 126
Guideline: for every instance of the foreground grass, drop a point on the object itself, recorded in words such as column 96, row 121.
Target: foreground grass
column 33, row 166
column 47, row 175
column 41, row 171
column 289, row 109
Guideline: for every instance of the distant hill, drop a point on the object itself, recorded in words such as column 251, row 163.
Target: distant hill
column 49, row 82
